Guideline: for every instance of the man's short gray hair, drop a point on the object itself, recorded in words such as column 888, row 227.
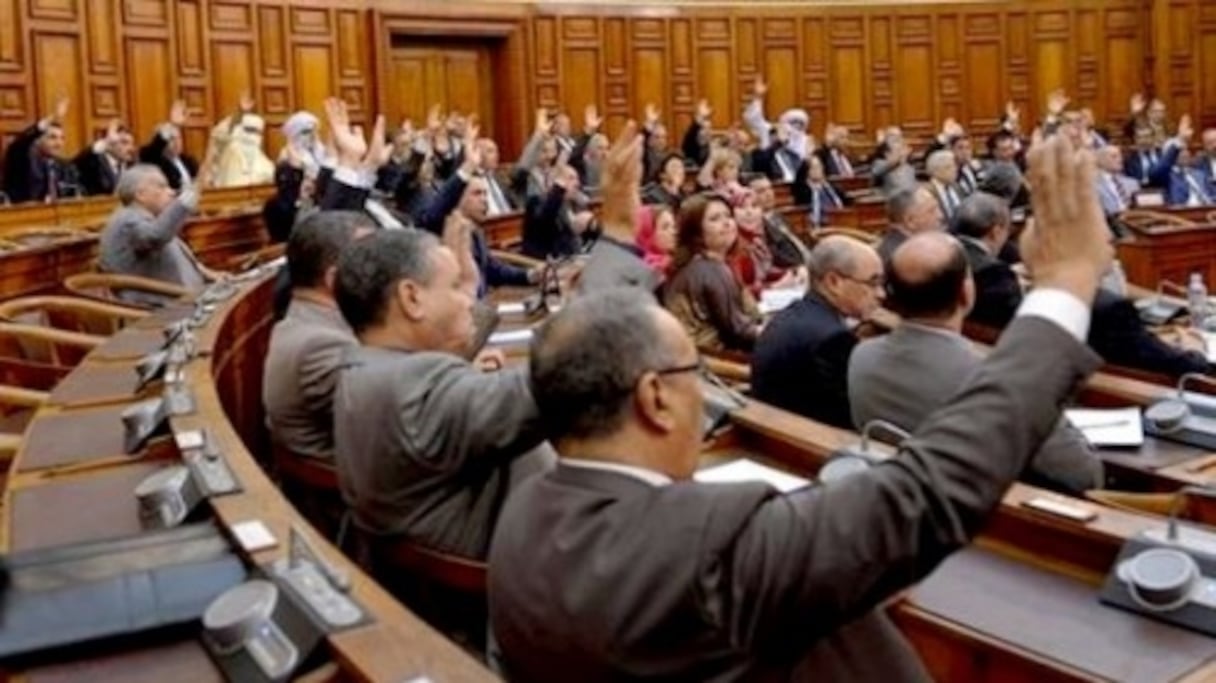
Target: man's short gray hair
column 132, row 179
column 837, row 254
column 980, row 214
column 900, row 202
column 586, row 360
column 942, row 158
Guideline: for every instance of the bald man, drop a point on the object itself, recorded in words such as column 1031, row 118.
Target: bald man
column 905, row 376
column 800, row 363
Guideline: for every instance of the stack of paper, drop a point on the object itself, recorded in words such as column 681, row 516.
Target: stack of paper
column 1118, row 427
column 749, row 470
column 511, row 308
column 773, row 300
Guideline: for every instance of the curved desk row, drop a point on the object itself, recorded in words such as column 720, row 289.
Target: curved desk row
column 72, row 483
column 41, row 244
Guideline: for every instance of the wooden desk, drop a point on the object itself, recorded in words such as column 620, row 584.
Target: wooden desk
column 1168, row 253
column 1020, row 605
column 78, row 494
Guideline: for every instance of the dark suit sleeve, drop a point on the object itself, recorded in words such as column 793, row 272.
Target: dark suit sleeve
column 435, row 212
column 340, row 196
column 1159, row 174
column 831, row 369
column 154, row 151
column 17, row 164
column 541, row 226
column 999, row 295
column 691, row 144
column 802, row 566
column 88, row 168
column 1119, row 336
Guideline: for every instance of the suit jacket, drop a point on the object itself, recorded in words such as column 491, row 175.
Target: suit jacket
column 1151, row 168
column 546, row 231
column 1120, row 337
column 997, row 290
column 655, row 193
column 306, row 349
column 832, row 167
column 1187, row 184
column 134, row 242
column 801, row 362
column 31, row 177
column 905, row 376
column 97, row 173
column 155, row 153
column 611, row 263
column 424, row 444
column 942, row 193
column 787, row 249
column 693, row 582
column 1115, row 192
column 891, row 239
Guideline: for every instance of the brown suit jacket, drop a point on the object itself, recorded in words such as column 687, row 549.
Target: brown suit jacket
column 602, row 574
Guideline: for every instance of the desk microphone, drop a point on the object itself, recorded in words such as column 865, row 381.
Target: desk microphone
column 1171, row 529
column 1168, row 415
column 851, row 460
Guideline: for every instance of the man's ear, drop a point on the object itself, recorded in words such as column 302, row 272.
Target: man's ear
column 652, row 402
column 410, row 300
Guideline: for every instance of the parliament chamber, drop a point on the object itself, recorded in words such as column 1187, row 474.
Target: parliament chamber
column 473, row 340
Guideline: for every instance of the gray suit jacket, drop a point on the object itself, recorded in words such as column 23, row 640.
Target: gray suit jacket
column 424, row 444
column 599, row 576
column 306, row 349
column 905, row 376
column 135, row 242
column 613, row 264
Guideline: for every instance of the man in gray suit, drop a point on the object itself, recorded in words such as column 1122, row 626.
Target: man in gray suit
column 143, row 236
column 615, row 566
column 308, row 345
column 905, row 376
column 424, row 439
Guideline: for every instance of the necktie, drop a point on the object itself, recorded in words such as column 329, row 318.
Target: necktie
column 817, row 207
column 968, row 177
column 842, row 164
column 498, row 201
column 52, row 182
column 1117, row 189
column 952, row 198
column 1198, row 194
column 833, row 198
column 786, row 173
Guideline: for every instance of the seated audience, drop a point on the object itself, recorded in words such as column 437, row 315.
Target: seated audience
column 720, row 174
column 910, row 211
column 750, row 258
column 424, row 440
column 1205, row 161
column 703, row 292
column 891, row 169
column 308, row 345
column 165, row 150
column 34, row 170
column 238, row 155
column 801, row 361
column 1150, row 160
column 943, row 182
column 905, row 376
column 616, row 566
column 668, row 187
column 1004, row 179
column 812, row 189
column 1188, row 187
column 143, row 235
column 787, row 248
column 549, row 228
column 970, row 170
column 657, row 237
column 833, row 156
column 982, row 225
column 99, row 165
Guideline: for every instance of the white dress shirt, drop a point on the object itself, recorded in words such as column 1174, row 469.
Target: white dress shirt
column 651, row 477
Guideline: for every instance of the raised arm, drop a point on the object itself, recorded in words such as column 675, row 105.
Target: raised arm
column 753, row 114
column 620, row 185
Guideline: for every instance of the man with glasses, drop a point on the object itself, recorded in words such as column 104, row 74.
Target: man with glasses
column 801, row 360
column 615, row 566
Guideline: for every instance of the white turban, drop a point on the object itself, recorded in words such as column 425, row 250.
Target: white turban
column 300, row 123
column 797, row 121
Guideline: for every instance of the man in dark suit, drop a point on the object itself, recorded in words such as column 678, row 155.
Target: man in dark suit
column 1188, row 186
column 969, row 170
column 982, row 225
column 33, row 169
column 943, row 183
column 617, row 567
column 787, row 249
column 1117, row 333
column 833, row 155
column 801, row 359
column 904, row 376
column 813, row 190
column 1149, row 164
column 911, row 211
column 100, row 164
column 165, row 150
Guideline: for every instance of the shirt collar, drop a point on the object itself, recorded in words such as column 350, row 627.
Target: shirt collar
column 650, row 477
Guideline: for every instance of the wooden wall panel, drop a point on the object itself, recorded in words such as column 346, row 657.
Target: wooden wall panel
column 862, row 64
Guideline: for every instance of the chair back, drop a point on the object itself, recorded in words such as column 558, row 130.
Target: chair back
column 109, row 287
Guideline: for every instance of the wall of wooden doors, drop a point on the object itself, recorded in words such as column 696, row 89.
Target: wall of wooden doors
column 857, row 63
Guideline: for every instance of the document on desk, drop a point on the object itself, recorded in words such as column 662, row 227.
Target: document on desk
column 1117, row 427
column 749, row 470
column 773, row 300
column 511, row 308
column 510, row 337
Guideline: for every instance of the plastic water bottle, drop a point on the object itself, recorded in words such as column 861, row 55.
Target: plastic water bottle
column 1197, row 300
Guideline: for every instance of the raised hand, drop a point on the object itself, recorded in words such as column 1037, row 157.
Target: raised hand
column 1011, row 112
column 1057, row 100
column 349, row 143
column 178, row 113
column 112, row 131
column 759, row 87
column 564, row 176
column 544, row 124
column 247, row 102
column 1185, row 128
column 951, row 128
column 1068, row 246
column 472, row 150
column 621, row 179
column 434, row 119
column 652, row 116
column 704, row 111
column 457, row 236
column 591, row 119
column 61, row 108
column 378, row 150
column 1137, row 104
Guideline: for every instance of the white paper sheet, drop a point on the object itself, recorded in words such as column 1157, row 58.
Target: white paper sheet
column 511, row 308
column 773, row 300
column 510, row 337
column 1117, row 427
column 749, row 470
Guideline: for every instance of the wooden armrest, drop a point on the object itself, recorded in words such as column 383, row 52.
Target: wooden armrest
column 51, row 335
column 85, row 281
column 20, row 396
column 729, row 370
column 13, row 308
column 1152, row 503
column 516, row 259
column 9, row 444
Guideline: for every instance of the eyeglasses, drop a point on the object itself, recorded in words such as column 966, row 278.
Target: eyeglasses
column 698, row 367
column 875, row 282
